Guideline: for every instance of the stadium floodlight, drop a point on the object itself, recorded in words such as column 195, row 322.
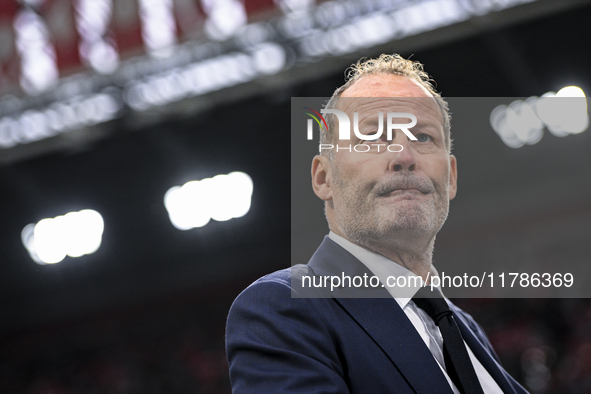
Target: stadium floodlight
column 220, row 198
column 158, row 26
column 93, row 19
column 522, row 122
column 74, row 234
column 38, row 59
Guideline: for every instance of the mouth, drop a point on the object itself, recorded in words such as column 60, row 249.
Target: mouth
column 399, row 192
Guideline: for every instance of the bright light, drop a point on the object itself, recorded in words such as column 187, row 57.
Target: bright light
column 564, row 112
column 74, row 234
column 221, row 198
column 522, row 122
column 269, row 58
column 92, row 23
column 574, row 104
column 158, row 26
column 33, row 125
column 224, row 18
column 38, row 60
column 205, row 76
column 288, row 6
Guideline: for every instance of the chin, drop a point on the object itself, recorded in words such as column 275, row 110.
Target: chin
column 403, row 219
column 382, row 230
column 409, row 228
column 415, row 221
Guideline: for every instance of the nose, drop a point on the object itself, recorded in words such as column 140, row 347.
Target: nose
column 403, row 161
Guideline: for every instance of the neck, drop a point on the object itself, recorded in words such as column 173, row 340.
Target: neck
column 408, row 251
column 415, row 258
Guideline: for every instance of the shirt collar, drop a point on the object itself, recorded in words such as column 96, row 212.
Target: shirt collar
column 379, row 265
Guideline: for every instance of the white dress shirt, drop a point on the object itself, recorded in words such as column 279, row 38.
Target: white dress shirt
column 381, row 267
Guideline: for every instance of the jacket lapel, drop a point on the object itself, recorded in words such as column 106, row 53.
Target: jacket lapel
column 387, row 325
column 487, row 360
column 380, row 316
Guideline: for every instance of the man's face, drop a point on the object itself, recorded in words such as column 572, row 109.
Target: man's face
column 380, row 195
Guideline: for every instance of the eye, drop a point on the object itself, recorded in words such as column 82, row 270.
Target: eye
column 376, row 140
column 424, row 138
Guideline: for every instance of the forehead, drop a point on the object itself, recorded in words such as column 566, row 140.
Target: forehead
column 386, row 85
column 389, row 93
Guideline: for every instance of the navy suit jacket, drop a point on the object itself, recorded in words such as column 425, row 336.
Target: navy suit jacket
column 280, row 344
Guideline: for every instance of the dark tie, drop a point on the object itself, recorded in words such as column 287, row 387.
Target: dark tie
column 457, row 362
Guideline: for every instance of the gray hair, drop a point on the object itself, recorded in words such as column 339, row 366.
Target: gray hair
column 385, row 64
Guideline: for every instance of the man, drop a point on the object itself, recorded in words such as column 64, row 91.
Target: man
column 384, row 207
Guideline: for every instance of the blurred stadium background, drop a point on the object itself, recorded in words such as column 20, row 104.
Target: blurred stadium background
column 106, row 105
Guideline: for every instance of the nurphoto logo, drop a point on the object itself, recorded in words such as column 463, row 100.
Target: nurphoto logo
column 345, row 130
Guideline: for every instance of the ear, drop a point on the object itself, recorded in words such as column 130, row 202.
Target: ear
column 453, row 177
column 321, row 177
